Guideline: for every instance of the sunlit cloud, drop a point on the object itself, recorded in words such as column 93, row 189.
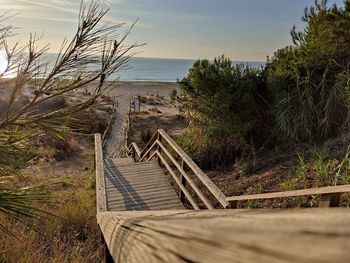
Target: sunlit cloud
column 49, row 18
column 71, row 7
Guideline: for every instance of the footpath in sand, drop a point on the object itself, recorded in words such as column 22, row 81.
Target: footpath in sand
column 123, row 93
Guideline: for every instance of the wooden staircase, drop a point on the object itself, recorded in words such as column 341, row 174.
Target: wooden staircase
column 143, row 219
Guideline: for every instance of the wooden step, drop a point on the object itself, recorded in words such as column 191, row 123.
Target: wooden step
column 138, row 186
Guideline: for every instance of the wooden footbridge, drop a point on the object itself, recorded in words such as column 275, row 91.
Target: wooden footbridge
column 157, row 205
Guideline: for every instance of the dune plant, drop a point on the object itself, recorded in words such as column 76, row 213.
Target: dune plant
column 310, row 79
column 226, row 107
column 85, row 62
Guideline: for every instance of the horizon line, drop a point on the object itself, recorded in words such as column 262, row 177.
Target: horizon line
column 181, row 58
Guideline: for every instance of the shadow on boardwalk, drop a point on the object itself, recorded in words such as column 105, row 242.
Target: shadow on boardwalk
column 131, row 199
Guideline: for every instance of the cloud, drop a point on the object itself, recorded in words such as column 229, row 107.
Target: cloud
column 110, row 2
column 69, row 9
column 49, row 18
column 65, row 6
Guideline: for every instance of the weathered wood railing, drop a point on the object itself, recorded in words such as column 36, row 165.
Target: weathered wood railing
column 109, row 124
column 156, row 148
column 101, row 203
column 330, row 196
column 228, row 235
column 221, row 235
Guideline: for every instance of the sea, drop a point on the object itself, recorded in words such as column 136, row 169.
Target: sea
column 147, row 69
column 163, row 69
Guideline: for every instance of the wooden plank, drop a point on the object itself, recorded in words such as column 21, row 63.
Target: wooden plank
column 134, row 187
column 101, row 204
column 144, row 189
column 156, row 206
column 119, row 197
column 136, row 171
column 136, row 174
column 214, row 190
column 129, row 165
column 136, row 182
column 141, row 189
column 134, row 163
column 155, row 199
column 173, row 205
column 291, row 235
column 312, row 191
column 140, row 193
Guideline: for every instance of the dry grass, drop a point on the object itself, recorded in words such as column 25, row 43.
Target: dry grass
column 71, row 236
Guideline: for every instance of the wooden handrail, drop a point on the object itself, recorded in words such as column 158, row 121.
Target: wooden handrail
column 137, row 149
column 188, row 179
column 155, row 143
column 101, row 202
column 327, row 192
column 109, row 125
column 313, row 191
column 215, row 191
column 330, row 195
column 150, row 142
column 177, row 180
column 144, row 155
column 264, row 235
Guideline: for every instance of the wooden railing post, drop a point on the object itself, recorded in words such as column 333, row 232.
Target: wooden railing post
column 133, row 153
column 159, row 138
column 329, row 200
column 183, row 182
column 101, row 202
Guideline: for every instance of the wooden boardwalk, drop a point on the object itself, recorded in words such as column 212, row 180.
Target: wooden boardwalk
column 138, row 186
column 130, row 192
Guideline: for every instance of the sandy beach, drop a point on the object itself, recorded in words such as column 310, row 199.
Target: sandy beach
column 123, row 93
column 127, row 89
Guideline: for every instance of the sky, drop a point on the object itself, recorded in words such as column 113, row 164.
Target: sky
column 244, row 30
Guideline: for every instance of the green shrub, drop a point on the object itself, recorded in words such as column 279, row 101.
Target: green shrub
column 146, row 135
column 226, row 108
column 173, row 94
column 310, row 81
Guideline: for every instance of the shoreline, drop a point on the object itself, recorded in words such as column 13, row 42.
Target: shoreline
column 155, row 82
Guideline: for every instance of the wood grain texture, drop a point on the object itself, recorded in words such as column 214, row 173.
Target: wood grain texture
column 138, row 186
column 101, row 204
column 312, row 191
column 304, row 235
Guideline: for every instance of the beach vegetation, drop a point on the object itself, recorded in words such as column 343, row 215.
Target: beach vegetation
column 301, row 95
column 173, row 94
column 39, row 106
column 225, row 107
column 309, row 80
